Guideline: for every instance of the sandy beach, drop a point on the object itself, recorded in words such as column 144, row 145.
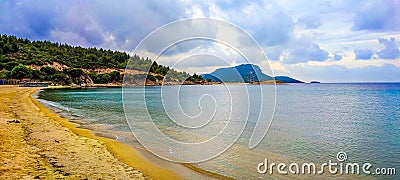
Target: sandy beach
column 38, row 144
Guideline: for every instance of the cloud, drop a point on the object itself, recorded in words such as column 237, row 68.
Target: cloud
column 201, row 60
column 273, row 52
column 289, row 32
column 88, row 23
column 133, row 20
column 390, row 50
column 303, row 50
column 260, row 20
column 363, row 53
column 26, row 19
column 309, row 21
column 377, row 16
column 186, row 46
column 338, row 73
column 337, row 57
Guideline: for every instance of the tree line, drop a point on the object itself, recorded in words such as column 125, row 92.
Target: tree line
column 17, row 54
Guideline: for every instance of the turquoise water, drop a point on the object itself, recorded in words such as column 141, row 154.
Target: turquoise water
column 312, row 122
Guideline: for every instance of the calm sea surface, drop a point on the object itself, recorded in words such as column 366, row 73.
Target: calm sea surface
column 312, row 122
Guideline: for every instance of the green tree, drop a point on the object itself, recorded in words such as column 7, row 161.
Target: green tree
column 4, row 59
column 7, row 48
column 115, row 76
column 10, row 65
column 15, row 51
column 3, row 75
column 8, row 74
column 21, row 71
column 37, row 75
column 105, row 60
column 75, row 72
column 48, row 70
column 93, row 76
column 14, row 47
column 60, row 79
column 1, row 44
column 104, row 78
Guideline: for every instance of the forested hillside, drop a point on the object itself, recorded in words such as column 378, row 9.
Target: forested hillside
column 64, row 64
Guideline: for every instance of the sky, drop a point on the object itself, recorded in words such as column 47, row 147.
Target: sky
column 327, row 41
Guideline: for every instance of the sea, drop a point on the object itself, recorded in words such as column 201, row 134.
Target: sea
column 311, row 123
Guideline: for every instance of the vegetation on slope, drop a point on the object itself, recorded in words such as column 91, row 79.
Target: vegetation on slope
column 64, row 64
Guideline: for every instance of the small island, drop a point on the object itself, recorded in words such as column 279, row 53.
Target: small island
column 246, row 73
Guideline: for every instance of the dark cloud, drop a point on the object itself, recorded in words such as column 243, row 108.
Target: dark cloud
column 390, row 50
column 44, row 20
column 27, row 19
column 363, row 53
column 96, row 23
column 309, row 21
column 133, row 20
column 377, row 15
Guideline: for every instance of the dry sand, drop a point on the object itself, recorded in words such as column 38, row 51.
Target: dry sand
column 37, row 144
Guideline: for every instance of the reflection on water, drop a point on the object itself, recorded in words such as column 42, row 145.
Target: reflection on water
column 312, row 123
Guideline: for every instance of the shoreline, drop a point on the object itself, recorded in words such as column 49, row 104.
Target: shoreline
column 37, row 143
column 151, row 85
column 133, row 157
column 122, row 152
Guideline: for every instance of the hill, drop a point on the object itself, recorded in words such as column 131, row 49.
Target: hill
column 244, row 73
column 286, row 79
column 63, row 64
column 241, row 73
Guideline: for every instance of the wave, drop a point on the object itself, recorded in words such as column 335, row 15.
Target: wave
column 54, row 105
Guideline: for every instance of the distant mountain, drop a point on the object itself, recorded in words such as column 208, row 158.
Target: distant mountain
column 241, row 73
column 286, row 79
column 244, row 73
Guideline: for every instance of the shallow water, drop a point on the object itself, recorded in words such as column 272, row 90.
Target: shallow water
column 312, row 122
